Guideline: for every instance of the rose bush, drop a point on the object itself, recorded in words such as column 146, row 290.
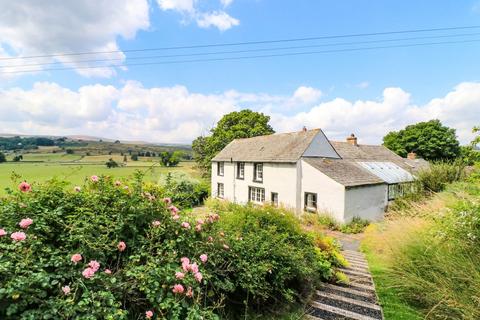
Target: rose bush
column 110, row 250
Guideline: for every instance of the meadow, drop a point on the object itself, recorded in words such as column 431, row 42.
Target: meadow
column 75, row 168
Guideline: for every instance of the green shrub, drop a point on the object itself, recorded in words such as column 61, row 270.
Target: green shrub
column 255, row 257
column 356, row 225
column 438, row 175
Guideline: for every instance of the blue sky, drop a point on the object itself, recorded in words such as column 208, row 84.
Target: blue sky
column 367, row 92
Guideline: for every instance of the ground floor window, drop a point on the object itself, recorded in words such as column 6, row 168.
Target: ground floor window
column 310, row 201
column 400, row 189
column 256, row 194
column 274, row 199
column 220, row 190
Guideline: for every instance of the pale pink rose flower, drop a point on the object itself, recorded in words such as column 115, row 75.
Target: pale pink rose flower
column 156, row 223
column 200, row 221
column 94, row 178
column 198, row 227
column 203, row 258
column 178, row 288
column 76, row 258
column 24, row 186
column 121, row 246
column 77, row 189
column 176, row 217
column 18, row 236
column 66, row 290
column 94, row 265
column 185, row 266
column 179, row 275
column 189, row 292
column 185, row 225
column 167, row 201
column 149, row 314
column 173, row 209
column 118, row 183
column 3, row 232
column 198, row 276
column 108, row 271
column 25, row 223
column 210, row 239
column 88, row 273
column 194, row 267
column 185, row 260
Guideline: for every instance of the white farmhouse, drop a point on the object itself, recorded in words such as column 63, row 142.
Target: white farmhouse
column 305, row 171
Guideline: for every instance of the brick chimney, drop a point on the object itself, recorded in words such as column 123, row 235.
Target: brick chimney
column 411, row 156
column 304, row 129
column 352, row 140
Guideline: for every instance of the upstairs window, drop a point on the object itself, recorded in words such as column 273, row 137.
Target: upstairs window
column 258, row 172
column 310, row 201
column 220, row 190
column 220, row 168
column 241, row 170
column 256, row 194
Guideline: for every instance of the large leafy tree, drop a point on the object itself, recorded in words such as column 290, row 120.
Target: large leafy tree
column 430, row 140
column 235, row 125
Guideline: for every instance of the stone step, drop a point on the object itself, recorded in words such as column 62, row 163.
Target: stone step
column 356, row 261
column 328, row 312
column 359, row 269
column 360, row 287
column 349, row 292
column 353, row 254
column 357, row 280
column 350, row 273
column 360, row 307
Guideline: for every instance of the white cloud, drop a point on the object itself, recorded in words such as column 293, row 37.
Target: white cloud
column 51, row 27
column 204, row 19
column 175, row 114
column 306, row 95
column 363, row 85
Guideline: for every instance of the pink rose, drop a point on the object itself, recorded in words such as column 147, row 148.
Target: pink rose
column 88, row 273
column 76, row 258
column 118, row 183
column 94, row 178
column 194, row 267
column 66, row 290
column 3, row 232
column 176, row 217
column 185, row 266
column 24, row 186
column 185, row 225
column 94, row 265
column 149, row 314
column 25, row 223
column 189, row 292
column 173, row 209
column 203, row 258
column 156, row 223
column 198, row 276
column 108, row 271
column 179, row 275
column 178, row 288
column 185, row 260
column 210, row 239
column 18, row 236
column 198, row 227
column 200, row 221
column 121, row 246
column 167, row 201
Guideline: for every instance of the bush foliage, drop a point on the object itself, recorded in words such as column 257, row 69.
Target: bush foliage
column 113, row 250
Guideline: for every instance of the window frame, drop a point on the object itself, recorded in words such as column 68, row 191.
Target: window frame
column 220, row 172
column 221, row 196
column 259, row 193
column 315, row 200
column 256, row 165
column 274, row 198
column 241, row 177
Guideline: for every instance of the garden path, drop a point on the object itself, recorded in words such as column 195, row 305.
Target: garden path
column 356, row 300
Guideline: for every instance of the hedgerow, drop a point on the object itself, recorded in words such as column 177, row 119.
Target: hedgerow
column 112, row 250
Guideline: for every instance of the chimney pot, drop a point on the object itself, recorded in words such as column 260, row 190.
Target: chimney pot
column 352, row 140
column 304, row 129
column 411, row 156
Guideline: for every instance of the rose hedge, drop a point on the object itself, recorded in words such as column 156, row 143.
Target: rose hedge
column 111, row 250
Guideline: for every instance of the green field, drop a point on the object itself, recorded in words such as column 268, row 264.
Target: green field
column 39, row 167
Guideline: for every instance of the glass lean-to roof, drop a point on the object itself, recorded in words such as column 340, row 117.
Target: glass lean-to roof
column 387, row 171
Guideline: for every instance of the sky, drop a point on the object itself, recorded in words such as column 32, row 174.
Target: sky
column 356, row 87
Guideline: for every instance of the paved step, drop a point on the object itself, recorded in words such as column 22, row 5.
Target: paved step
column 360, row 307
column 349, row 292
column 329, row 312
column 355, row 272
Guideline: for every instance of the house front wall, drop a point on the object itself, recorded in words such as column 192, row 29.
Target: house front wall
column 366, row 202
column 280, row 178
column 330, row 194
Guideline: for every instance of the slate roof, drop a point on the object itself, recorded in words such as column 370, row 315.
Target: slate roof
column 283, row 147
column 345, row 172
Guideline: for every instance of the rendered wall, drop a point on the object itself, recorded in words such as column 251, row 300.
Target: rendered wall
column 366, row 202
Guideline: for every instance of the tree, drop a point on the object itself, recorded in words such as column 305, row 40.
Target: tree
column 125, row 158
column 430, row 140
column 170, row 159
column 17, row 158
column 235, row 125
column 111, row 163
column 2, row 157
column 69, row 151
column 134, row 157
